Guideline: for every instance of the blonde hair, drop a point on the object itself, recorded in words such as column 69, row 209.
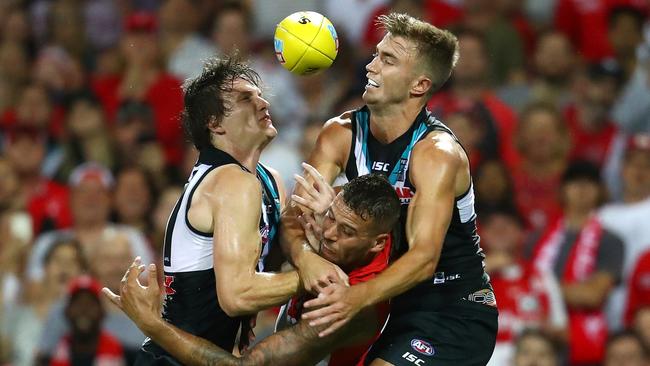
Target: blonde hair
column 438, row 48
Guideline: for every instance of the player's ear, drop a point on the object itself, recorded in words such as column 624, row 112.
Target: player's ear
column 380, row 242
column 421, row 85
column 216, row 126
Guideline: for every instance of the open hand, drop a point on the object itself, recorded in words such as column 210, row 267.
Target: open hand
column 140, row 303
column 314, row 197
column 334, row 307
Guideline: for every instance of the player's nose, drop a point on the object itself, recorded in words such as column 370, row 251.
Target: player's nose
column 263, row 104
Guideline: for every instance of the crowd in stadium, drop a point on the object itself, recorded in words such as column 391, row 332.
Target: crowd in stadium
column 550, row 99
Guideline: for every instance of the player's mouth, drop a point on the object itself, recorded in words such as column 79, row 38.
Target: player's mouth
column 266, row 119
column 372, row 83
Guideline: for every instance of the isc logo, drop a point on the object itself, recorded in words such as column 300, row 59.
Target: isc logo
column 380, row 166
column 413, row 358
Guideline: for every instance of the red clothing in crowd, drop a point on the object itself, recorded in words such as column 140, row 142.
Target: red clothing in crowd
column 49, row 207
column 639, row 288
column 523, row 299
column 593, row 146
column 505, row 118
column 165, row 98
column 585, row 23
column 536, row 199
column 109, row 352
column 587, row 327
column 437, row 12
column 352, row 355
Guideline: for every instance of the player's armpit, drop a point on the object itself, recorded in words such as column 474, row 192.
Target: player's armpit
column 300, row 345
column 235, row 207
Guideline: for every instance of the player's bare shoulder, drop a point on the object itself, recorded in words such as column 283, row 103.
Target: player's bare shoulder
column 438, row 155
column 440, row 145
column 335, row 139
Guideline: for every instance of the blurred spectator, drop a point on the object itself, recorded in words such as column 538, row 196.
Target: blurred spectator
column 641, row 324
column 592, row 132
column 585, row 257
column 63, row 262
column 62, row 75
column 184, row 49
column 469, row 87
column 543, row 142
column 34, row 108
column 232, row 31
column 65, row 28
column 144, row 79
column 638, row 288
column 536, row 348
column 527, row 297
column 626, row 348
column 103, row 23
column 553, row 64
column 133, row 199
column 15, row 27
column 164, row 206
column 628, row 219
column 503, row 43
column 107, row 260
column 46, row 201
column 87, row 343
column 440, row 13
column 86, row 137
column 350, row 17
column 585, row 23
column 494, row 188
column 14, row 73
column 625, row 33
column 476, row 133
column 91, row 188
column 633, row 107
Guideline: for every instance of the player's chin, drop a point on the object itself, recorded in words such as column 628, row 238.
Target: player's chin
column 270, row 131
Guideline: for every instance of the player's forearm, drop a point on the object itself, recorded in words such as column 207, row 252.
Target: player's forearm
column 590, row 294
column 187, row 348
column 293, row 239
column 410, row 269
column 258, row 292
column 300, row 344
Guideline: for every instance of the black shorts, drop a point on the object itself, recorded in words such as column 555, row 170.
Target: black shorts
column 463, row 333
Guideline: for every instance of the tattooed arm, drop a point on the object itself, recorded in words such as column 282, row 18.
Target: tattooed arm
column 298, row 345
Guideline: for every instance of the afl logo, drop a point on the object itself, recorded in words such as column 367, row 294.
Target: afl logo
column 304, row 20
column 279, row 49
column 422, row 347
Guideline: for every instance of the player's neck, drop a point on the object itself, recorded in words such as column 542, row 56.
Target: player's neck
column 390, row 122
column 248, row 156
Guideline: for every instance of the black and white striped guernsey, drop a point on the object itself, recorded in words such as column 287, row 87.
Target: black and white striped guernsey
column 191, row 301
column 460, row 267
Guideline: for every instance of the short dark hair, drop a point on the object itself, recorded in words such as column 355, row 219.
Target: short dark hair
column 372, row 197
column 619, row 11
column 556, row 347
column 438, row 48
column 204, row 96
column 66, row 240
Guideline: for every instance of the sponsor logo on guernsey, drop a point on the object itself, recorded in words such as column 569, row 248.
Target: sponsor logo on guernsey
column 380, row 166
column 405, row 194
column 408, row 356
column 168, row 285
column 422, row 347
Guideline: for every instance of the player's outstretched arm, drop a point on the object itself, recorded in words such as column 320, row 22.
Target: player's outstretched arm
column 435, row 163
column 236, row 213
column 328, row 158
column 297, row 345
